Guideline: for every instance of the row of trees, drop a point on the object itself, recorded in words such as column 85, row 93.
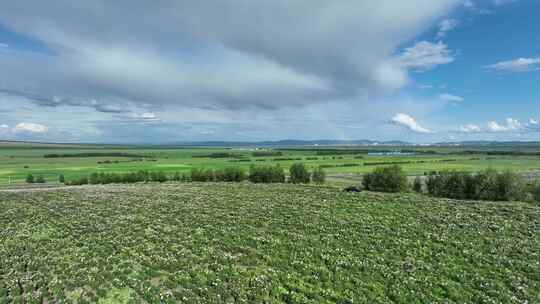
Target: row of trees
column 30, row 179
column 488, row 184
column 298, row 173
column 485, row 185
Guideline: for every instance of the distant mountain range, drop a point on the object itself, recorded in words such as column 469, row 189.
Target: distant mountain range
column 294, row 142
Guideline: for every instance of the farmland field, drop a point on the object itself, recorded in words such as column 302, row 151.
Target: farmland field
column 17, row 161
column 248, row 243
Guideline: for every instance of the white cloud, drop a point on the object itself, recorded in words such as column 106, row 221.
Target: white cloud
column 509, row 126
column 451, row 98
column 28, row 127
column 145, row 116
column 446, row 26
column 4, row 126
column 405, row 120
column 425, row 56
column 516, row 65
column 470, row 128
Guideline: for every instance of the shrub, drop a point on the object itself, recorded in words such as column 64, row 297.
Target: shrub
column 535, row 191
column 186, row 178
column 78, row 182
column 418, row 185
column 386, row 179
column 299, row 174
column 158, row 176
column 95, row 179
column 61, row 179
column 201, row 175
column 231, row 174
column 486, row 185
column 30, row 179
column 510, row 186
column 318, row 176
column 40, row 180
column 123, row 178
column 266, row 153
column 266, row 174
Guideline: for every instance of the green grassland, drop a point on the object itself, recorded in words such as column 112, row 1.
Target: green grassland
column 248, row 243
column 17, row 161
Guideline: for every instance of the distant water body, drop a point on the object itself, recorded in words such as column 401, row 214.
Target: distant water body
column 393, row 153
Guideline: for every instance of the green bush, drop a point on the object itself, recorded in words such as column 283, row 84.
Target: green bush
column 78, row 182
column 485, row 185
column 266, row 174
column 61, row 179
column 510, row 186
column 299, row 174
column 418, row 185
column 386, row 179
column 121, row 178
column 230, row 174
column 318, row 176
column 201, row 175
column 266, row 153
column 30, row 179
column 40, row 180
column 176, row 177
column 158, row 176
column 535, row 191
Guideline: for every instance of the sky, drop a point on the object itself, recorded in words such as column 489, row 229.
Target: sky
column 137, row 71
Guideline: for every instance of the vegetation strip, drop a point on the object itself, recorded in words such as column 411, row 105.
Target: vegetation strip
column 244, row 242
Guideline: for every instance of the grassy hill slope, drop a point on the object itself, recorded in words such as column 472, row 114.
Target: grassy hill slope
column 232, row 243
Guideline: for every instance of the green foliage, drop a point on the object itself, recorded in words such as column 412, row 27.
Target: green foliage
column 158, row 176
column 486, row 185
column 61, row 179
column 246, row 243
column 78, row 182
column 266, row 153
column 230, row 174
column 535, row 191
column 91, row 154
column 299, row 174
column 177, row 177
column 30, row 179
column 173, row 159
column 219, row 155
column 120, row 178
column 202, row 175
column 386, row 179
column 318, row 176
column 266, row 174
column 40, row 180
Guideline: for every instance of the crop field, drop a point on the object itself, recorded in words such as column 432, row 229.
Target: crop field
column 248, row 243
column 16, row 162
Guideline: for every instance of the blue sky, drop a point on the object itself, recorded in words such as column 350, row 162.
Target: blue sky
column 132, row 71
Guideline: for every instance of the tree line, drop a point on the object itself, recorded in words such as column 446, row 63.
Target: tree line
column 488, row 184
column 298, row 174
